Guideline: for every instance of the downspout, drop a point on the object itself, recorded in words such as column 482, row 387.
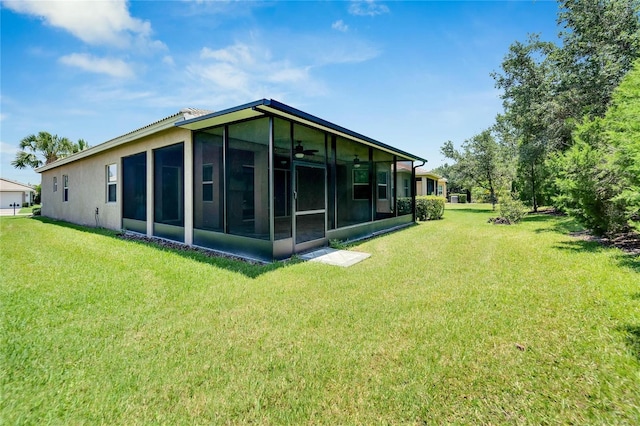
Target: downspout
column 413, row 187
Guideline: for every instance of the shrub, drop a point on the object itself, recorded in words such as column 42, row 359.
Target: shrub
column 36, row 211
column 404, row 205
column 511, row 209
column 429, row 207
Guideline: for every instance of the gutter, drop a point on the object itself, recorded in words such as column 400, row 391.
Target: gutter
column 413, row 187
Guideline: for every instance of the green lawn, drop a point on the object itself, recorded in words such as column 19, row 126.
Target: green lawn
column 29, row 209
column 450, row 321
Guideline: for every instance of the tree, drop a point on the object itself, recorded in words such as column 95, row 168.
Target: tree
column 44, row 148
column 483, row 162
column 533, row 113
column 548, row 89
column 81, row 145
column 600, row 42
column 599, row 176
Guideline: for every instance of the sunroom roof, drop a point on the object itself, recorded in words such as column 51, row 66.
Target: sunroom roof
column 265, row 107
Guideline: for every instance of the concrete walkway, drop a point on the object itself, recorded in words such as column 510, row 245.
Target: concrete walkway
column 9, row 212
column 335, row 257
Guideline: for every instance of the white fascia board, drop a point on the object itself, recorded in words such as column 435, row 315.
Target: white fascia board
column 218, row 120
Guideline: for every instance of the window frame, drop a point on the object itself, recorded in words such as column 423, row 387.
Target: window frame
column 382, row 184
column 55, row 184
column 111, row 181
column 207, row 183
column 65, row 188
column 364, row 172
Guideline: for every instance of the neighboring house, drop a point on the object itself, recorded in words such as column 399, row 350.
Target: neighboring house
column 261, row 180
column 429, row 183
column 15, row 193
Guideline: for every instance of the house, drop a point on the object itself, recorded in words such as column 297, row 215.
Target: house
column 261, row 180
column 429, row 183
column 14, row 194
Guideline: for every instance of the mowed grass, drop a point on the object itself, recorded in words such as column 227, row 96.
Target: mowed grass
column 450, row 321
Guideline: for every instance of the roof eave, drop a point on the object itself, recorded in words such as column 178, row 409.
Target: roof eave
column 272, row 107
column 163, row 124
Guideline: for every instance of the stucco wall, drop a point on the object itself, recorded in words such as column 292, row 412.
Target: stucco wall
column 87, row 182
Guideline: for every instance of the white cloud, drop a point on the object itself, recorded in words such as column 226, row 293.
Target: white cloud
column 247, row 70
column 6, row 148
column 113, row 67
column 94, row 22
column 168, row 59
column 289, row 75
column 350, row 52
column 340, row 26
column 367, row 8
column 3, row 116
column 237, row 54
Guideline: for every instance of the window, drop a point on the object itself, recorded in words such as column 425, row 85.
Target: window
column 361, row 184
column 112, row 179
column 207, row 182
column 407, row 193
column 55, row 184
column 65, row 188
column 382, row 186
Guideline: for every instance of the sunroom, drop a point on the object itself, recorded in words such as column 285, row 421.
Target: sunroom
column 268, row 181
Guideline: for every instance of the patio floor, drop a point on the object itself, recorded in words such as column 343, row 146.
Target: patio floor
column 335, row 257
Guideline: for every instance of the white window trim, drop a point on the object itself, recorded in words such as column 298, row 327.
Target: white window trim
column 113, row 182
column 354, row 184
column 207, row 182
column 65, row 188
column 385, row 184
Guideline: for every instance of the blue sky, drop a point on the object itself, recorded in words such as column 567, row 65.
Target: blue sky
column 409, row 74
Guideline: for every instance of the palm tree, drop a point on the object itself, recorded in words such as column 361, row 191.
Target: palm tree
column 80, row 146
column 45, row 145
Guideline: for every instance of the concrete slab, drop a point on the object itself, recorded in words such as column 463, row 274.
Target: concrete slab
column 9, row 212
column 329, row 256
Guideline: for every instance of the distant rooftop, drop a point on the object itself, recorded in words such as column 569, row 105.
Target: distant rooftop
column 10, row 185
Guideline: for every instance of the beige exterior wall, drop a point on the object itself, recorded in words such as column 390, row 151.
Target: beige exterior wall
column 88, row 183
column 421, row 185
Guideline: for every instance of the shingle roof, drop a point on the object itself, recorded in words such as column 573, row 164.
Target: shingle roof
column 165, row 123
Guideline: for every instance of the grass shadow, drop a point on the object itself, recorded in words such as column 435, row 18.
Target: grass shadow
column 470, row 210
column 560, row 225
column 587, row 245
column 580, row 246
column 632, row 339
column 537, row 218
column 221, row 260
column 630, row 261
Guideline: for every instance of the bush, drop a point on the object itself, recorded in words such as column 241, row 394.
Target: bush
column 429, row 207
column 404, row 205
column 36, row 211
column 511, row 209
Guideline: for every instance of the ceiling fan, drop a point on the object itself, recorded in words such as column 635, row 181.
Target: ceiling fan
column 300, row 152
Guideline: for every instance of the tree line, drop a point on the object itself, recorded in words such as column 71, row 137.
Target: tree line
column 569, row 133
